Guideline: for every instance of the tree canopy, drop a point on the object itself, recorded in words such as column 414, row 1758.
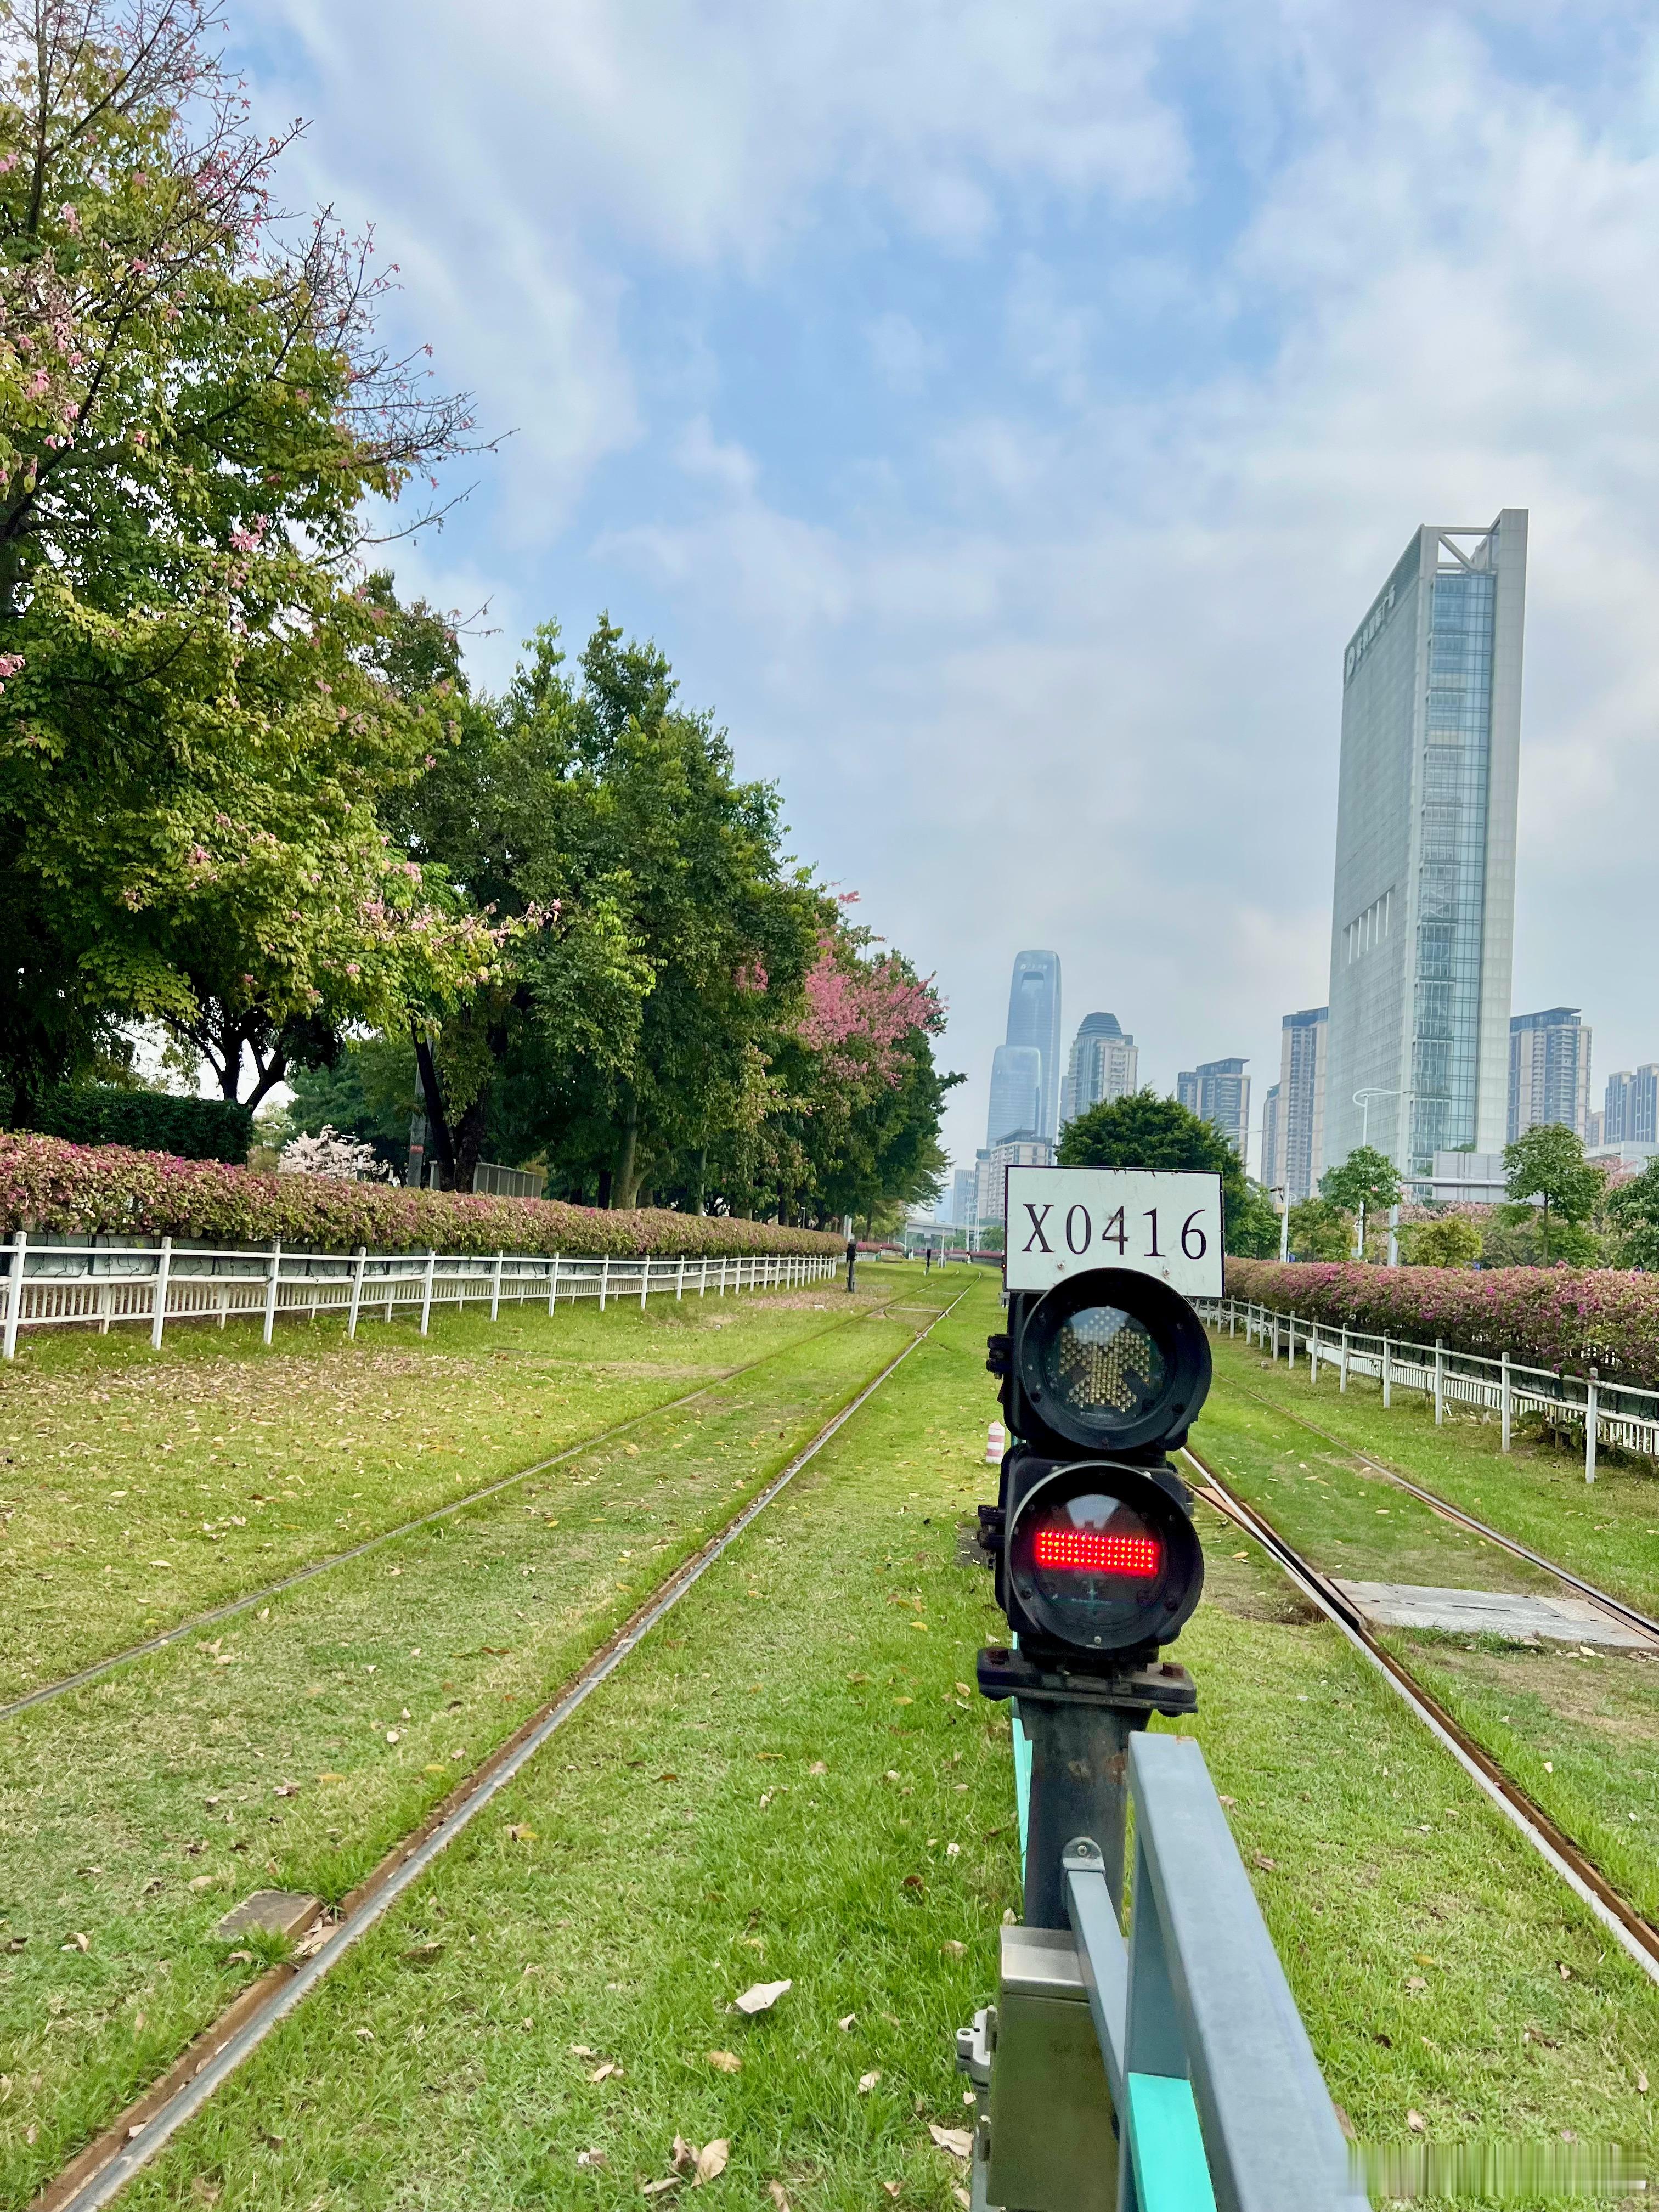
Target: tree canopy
column 1146, row 1131
column 1547, row 1164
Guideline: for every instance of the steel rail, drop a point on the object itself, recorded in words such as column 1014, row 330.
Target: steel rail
column 1617, row 1607
column 1630, row 1930
column 96, row 2176
column 97, row 1667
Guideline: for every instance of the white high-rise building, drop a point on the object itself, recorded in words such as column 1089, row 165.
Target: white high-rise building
column 1271, row 1177
column 1218, row 1092
column 1103, row 1064
column 1549, row 1070
column 1423, row 920
column 1300, row 1151
column 1034, row 1024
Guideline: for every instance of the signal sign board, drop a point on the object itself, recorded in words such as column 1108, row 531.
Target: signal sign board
column 1061, row 1221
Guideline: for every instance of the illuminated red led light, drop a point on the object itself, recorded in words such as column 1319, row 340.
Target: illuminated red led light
column 1098, row 1552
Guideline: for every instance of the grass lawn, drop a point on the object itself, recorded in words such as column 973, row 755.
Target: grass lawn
column 1604, row 1531
column 295, row 1744
column 788, row 1783
column 137, row 1487
column 1578, row 1730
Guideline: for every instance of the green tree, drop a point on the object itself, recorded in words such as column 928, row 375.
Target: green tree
column 1366, row 1182
column 1633, row 1211
column 1547, row 1164
column 194, row 729
column 1321, row 1229
column 1451, row 1242
column 1146, row 1131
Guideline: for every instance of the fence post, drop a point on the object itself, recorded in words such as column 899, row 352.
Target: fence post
column 679, row 1280
column 426, row 1291
column 158, row 1318
column 722, row 1275
column 553, row 1283
column 495, row 1288
column 645, row 1279
column 1313, row 1354
column 1590, row 1396
column 275, row 1270
column 1233, row 1317
column 1342, row 1371
column 1387, row 1376
column 702, row 1279
column 20, row 1245
column 358, row 1263
column 1504, row 1400
column 1439, row 1380
column 605, row 1277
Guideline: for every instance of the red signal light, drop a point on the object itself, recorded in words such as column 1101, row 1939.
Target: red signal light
column 1098, row 1552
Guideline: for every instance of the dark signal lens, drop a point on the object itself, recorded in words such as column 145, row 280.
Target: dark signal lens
column 1097, row 1551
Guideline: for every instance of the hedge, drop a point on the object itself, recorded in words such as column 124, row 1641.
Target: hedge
column 1570, row 1318
column 189, row 1129
column 82, row 1190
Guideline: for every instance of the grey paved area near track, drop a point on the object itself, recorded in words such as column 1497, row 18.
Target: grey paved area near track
column 1494, row 1613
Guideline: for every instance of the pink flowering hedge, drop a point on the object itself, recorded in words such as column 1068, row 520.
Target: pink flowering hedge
column 93, row 1189
column 1573, row 1318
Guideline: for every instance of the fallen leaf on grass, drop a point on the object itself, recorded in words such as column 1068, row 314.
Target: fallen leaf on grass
column 954, row 1950
column 962, row 1690
column 79, row 1943
column 762, row 1996
column 962, row 2198
column 774, row 2189
column 602, row 2073
column 589, row 2158
column 1416, row 2123
column 845, row 2023
column 956, row 2141
column 683, row 2156
column 1642, row 2082
column 727, row 2061
column 331, row 1775
column 364, row 2034
column 582, row 2051
column 520, row 1831
column 1415, row 1982
column 891, row 2187
column 1262, row 1860
column 238, row 1958
column 817, row 1767
column 867, row 2081
column 669, row 2180
column 711, row 2161
column 393, row 1735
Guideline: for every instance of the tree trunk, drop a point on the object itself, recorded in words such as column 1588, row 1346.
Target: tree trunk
column 469, row 1142
column 603, row 1200
column 700, row 1205
column 628, row 1169
column 436, row 1120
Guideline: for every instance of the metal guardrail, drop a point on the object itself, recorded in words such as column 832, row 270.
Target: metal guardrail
column 95, row 1286
column 1615, row 1414
column 1206, row 2055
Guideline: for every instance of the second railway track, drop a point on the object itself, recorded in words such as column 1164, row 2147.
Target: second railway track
column 1635, row 1935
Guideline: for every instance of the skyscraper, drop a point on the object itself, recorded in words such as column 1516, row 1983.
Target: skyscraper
column 1272, row 1178
column 1218, row 1092
column 1549, row 1070
column 1034, row 1020
column 964, row 1183
column 1424, row 909
column 1016, row 1094
column 1630, row 1106
column 1103, row 1064
column 1302, row 1056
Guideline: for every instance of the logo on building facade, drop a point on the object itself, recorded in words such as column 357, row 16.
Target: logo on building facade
column 1368, row 630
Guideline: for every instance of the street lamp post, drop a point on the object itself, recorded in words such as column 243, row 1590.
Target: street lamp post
column 1362, row 1100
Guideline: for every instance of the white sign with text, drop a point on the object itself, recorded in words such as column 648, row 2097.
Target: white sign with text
column 1063, row 1220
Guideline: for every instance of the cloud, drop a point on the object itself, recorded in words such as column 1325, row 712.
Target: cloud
column 1004, row 415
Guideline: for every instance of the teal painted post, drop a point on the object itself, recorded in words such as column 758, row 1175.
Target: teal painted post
column 1167, row 2146
column 1022, row 1784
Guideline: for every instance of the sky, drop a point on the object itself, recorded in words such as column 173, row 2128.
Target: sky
column 1002, row 414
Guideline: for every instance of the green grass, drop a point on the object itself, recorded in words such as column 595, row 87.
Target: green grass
column 1535, row 1493
column 295, row 1745
column 769, row 1790
column 1578, row 1733
column 138, row 1488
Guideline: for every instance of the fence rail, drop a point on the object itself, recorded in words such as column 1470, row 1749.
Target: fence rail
column 93, row 1286
column 1614, row 1414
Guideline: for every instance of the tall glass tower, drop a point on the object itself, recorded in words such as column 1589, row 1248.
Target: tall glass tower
column 1423, row 918
column 1034, row 1020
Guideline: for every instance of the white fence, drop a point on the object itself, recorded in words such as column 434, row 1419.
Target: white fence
column 1613, row 1414
column 91, row 1285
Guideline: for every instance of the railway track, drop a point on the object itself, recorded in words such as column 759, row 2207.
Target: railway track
column 96, row 2176
column 1617, row 1607
column 1634, row 1935
column 96, row 1668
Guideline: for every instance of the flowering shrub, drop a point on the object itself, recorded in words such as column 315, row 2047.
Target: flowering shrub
column 343, row 1159
column 86, row 1190
column 1567, row 1318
